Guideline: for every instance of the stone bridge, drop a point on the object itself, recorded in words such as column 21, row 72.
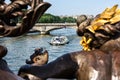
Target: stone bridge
column 45, row 28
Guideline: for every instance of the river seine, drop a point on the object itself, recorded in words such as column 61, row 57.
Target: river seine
column 20, row 48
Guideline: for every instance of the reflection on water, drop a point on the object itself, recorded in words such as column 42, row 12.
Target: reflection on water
column 20, row 48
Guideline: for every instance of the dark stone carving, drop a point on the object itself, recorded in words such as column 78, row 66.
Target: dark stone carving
column 38, row 58
column 5, row 72
column 100, row 57
column 10, row 13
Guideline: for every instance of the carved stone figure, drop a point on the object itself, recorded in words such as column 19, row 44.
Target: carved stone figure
column 38, row 58
column 99, row 59
column 10, row 13
column 5, row 72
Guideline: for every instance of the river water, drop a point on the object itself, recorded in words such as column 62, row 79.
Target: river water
column 20, row 48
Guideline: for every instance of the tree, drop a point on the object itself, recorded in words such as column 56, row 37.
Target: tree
column 49, row 18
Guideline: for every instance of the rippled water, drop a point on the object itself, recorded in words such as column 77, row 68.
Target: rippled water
column 20, row 48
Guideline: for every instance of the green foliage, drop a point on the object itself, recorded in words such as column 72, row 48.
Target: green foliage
column 49, row 18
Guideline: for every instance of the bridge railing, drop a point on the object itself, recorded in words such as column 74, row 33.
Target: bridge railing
column 55, row 24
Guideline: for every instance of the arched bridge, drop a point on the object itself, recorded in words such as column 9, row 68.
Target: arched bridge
column 45, row 28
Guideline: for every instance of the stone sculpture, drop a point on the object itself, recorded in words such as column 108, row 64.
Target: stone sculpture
column 100, row 57
column 18, row 9
column 38, row 58
column 5, row 72
column 11, row 27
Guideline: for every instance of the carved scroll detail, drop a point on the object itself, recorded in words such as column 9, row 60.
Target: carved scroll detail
column 9, row 15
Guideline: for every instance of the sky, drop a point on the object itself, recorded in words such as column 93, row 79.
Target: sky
column 78, row 7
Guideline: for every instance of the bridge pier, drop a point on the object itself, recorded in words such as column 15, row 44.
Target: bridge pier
column 44, row 32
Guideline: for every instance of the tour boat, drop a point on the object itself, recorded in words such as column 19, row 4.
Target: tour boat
column 59, row 40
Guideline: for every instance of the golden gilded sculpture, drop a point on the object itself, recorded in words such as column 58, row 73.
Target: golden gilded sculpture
column 109, row 16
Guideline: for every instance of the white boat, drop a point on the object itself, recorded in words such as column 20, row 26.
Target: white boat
column 59, row 40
